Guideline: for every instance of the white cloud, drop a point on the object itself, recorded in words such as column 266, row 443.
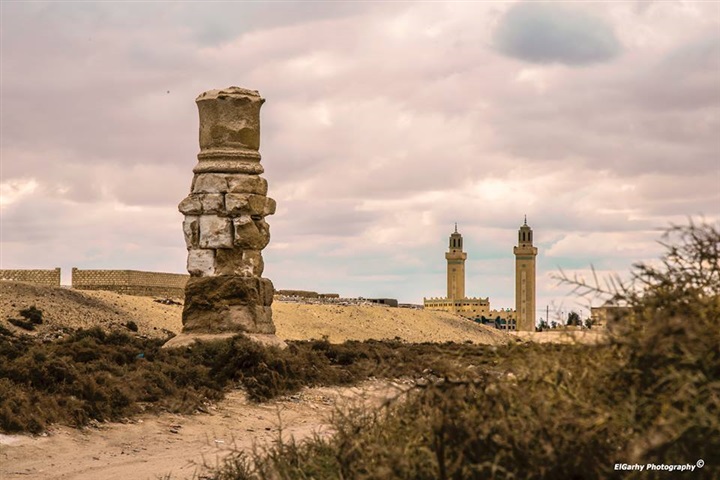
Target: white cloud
column 14, row 190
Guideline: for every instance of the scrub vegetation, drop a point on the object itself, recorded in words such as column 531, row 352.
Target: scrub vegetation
column 91, row 375
column 649, row 395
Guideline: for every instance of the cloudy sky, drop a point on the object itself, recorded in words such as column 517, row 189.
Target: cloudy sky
column 385, row 123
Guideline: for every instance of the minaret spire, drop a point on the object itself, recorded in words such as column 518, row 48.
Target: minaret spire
column 525, row 279
column 455, row 266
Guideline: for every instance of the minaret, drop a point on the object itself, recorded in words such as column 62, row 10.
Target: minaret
column 455, row 267
column 525, row 255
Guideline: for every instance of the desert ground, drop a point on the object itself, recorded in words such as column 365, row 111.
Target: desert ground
column 153, row 446
column 180, row 446
column 65, row 307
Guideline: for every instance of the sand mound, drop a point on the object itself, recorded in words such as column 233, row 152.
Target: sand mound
column 339, row 323
column 65, row 307
column 68, row 308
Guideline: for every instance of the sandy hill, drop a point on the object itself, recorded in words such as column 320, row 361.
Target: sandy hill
column 65, row 307
column 339, row 323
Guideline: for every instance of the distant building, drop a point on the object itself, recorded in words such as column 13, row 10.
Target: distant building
column 500, row 319
column 522, row 318
column 502, row 324
column 304, row 294
column 389, row 302
column 610, row 311
column 456, row 301
column 414, row 306
column 507, row 315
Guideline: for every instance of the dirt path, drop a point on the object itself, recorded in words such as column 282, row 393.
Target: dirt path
column 154, row 446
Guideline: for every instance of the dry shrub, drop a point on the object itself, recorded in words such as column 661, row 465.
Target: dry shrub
column 651, row 395
column 95, row 375
column 91, row 375
column 32, row 314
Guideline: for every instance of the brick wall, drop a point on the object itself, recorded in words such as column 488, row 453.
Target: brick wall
column 39, row 277
column 131, row 282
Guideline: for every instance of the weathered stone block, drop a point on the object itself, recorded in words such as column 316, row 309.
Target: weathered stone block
column 212, row 203
column 190, row 205
column 210, row 183
column 230, row 119
column 249, row 204
column 247, row 184
column 245, row 263
column 256, row 203
column 191, row 229
column 201, row 262
column 269, row 207
column 215, row 232
column 250, row 234
column 228, row 303
column 237, row 203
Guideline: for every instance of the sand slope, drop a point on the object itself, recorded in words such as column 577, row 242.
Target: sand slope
column 64, row 307
column 339, row 323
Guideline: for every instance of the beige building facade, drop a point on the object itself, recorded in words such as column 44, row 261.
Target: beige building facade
column 467, row 307
column 525, row 279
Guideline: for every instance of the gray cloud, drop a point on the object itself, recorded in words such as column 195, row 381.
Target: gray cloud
column 686, row 78
column 383, row 125
column 325, row 219
column 656, row 113
column 549, row 33
column 214, row 23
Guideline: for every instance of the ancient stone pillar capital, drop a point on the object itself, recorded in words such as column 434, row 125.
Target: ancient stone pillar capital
column 229, row 131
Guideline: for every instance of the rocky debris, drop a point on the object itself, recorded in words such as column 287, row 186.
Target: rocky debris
column 167, row 301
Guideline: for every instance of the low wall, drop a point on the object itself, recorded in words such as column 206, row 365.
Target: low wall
column 131, row 282
column 39, row 277
column 305, row 294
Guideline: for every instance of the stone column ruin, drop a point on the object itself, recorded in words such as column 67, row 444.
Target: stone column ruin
column 224, row 226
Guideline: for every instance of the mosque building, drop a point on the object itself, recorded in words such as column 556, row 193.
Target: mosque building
column 523, row 317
